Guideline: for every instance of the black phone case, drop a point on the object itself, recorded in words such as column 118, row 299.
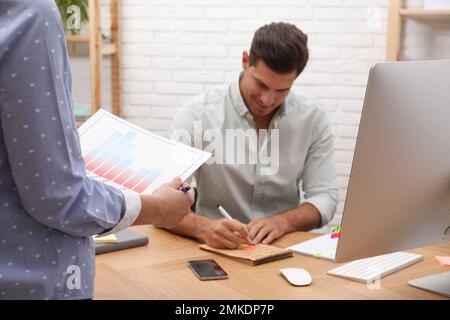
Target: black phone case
column 197, row 272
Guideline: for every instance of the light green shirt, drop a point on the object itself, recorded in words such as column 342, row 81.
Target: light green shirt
column 257, row 187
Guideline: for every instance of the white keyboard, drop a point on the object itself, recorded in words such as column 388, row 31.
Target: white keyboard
column 369, row 269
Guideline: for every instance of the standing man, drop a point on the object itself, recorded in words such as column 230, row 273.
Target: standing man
column 49, row 208
column 288, row 143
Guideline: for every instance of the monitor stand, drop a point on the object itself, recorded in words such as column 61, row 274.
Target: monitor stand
column 438, row 283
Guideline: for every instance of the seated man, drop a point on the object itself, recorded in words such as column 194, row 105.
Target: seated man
column 284, row 140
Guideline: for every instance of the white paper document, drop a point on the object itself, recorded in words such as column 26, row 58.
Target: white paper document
column 320, row 247
column 129, row 157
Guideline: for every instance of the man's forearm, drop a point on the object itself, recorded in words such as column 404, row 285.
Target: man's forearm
column 303, row 218
column 192, row 226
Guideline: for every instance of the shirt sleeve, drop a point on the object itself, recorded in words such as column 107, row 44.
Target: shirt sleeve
column 183, row 130
column 319, row 175
column 40, row 132
column 183, row 125
column 133, row 207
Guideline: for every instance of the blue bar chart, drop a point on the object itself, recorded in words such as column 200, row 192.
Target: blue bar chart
column 112, row 161
column 132, row 158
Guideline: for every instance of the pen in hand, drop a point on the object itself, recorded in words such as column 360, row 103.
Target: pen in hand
column 181, row 185
column 227, row 216
column 224, row 213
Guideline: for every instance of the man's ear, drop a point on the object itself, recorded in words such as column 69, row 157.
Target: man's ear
column 245, row 60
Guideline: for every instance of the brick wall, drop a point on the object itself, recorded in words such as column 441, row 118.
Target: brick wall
column 174, row 49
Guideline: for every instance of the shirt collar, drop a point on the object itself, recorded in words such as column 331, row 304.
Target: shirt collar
column 236, row 98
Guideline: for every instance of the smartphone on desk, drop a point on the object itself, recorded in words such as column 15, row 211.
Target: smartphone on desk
column 207, row 269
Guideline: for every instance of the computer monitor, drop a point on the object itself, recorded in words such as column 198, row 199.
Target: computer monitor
column 399, row 189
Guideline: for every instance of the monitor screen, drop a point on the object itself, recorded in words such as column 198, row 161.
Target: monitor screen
column 399, row 189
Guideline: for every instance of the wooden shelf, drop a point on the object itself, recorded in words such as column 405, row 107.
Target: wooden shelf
column 80, row 121
column 107, row 49
column 418, row 12
column 396, row 13
column 99, row 48
column 425, row 14
column 77, row 38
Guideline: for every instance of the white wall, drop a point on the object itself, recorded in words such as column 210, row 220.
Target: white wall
column 174, row 49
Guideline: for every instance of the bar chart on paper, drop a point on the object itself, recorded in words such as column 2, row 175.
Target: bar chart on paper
column 118, row 152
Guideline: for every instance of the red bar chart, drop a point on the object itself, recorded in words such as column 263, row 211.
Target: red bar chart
column 129, row 157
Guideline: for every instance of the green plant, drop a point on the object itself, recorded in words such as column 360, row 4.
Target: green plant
column 64, row 5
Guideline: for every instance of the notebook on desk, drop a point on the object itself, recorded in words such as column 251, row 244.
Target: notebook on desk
column 125, row 239
column 252, row 254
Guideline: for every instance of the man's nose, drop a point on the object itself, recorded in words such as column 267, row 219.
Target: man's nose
column 268, row 98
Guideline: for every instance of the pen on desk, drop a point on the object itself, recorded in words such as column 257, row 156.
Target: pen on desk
column 227, row 216
column 184, row 188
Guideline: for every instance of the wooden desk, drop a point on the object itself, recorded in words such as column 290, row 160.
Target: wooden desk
column 159, row 271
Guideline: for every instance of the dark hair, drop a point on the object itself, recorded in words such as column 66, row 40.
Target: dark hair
column 282, row 47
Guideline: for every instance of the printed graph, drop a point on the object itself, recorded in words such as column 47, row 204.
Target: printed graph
column 130, row 157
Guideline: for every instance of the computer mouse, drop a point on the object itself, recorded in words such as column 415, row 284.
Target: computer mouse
column 296, row 276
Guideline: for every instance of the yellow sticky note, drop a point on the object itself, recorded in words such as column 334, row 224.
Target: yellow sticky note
column 106, row 239
column 444, row 261
column 336, row 229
